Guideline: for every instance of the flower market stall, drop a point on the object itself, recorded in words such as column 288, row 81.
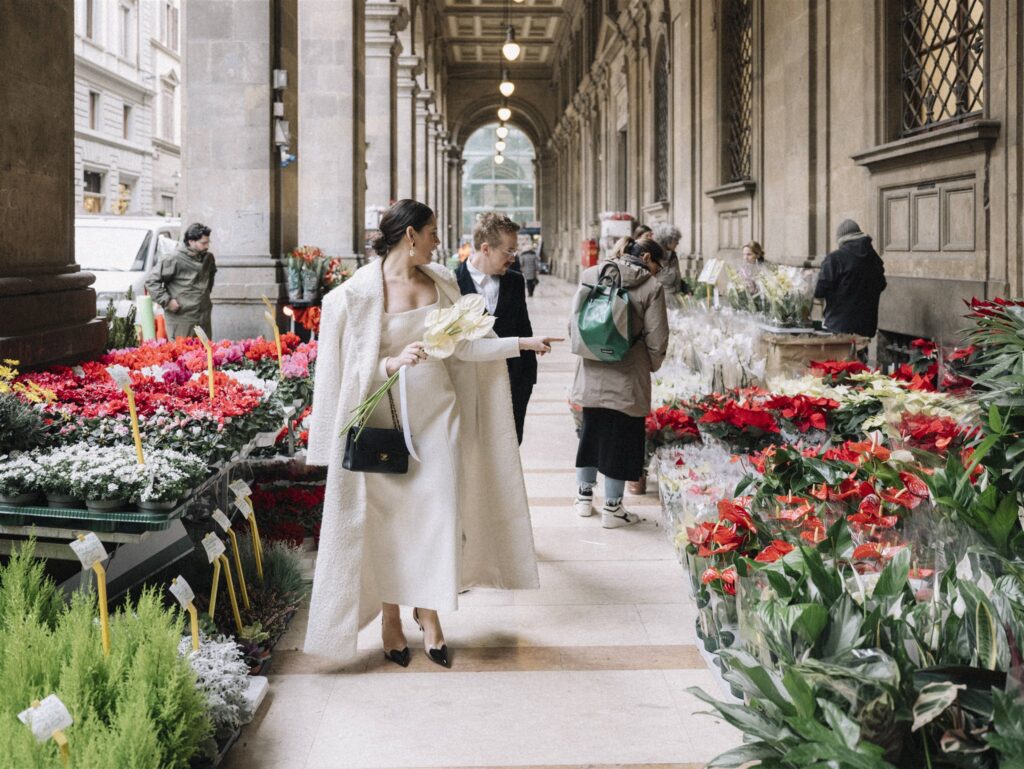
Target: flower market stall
column 148, row 474
column 854, row 542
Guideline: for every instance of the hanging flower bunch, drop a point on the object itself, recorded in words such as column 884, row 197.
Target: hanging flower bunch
column 335, row 273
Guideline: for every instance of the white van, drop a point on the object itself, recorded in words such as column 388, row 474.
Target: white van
column 120, row 250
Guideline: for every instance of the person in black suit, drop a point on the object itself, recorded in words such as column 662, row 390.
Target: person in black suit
column 488, row 272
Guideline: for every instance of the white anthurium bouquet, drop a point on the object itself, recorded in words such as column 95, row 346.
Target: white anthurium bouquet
column 464, row 321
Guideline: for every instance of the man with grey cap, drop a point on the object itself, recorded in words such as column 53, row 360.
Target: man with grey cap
column 851, row 280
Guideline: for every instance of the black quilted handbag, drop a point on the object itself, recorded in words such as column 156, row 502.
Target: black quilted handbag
column 375, row 449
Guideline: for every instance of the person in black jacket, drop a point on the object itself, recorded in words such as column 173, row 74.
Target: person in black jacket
column 851, row 280
column 488, row 272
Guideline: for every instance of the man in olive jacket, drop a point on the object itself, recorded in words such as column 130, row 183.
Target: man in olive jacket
column 181, row 283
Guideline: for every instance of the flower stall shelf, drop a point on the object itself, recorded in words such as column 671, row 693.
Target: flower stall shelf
column 789, row 352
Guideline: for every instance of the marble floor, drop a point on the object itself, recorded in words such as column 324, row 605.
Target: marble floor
column 591, row 670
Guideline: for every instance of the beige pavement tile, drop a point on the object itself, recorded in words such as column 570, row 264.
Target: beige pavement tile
column 670, row 623
column 606, row 582
column 287, row 724
column 645, row 541
column 498, row 719
column 709, row 735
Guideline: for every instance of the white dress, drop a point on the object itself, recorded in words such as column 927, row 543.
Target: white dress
column 412, row 549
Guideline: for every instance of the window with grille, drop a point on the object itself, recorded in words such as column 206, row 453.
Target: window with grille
column 942, row 62
column 661, row 119
column 738, row 88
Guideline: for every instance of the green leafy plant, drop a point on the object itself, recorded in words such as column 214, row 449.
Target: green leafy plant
column 21, row 427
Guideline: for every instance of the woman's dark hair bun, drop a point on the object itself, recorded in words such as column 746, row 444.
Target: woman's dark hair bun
column 379, row 244
column 396, row 220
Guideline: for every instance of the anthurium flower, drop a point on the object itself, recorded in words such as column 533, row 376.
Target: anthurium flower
column 914, row 484
column 774, row 551
column 875, row 551
column 901, row 497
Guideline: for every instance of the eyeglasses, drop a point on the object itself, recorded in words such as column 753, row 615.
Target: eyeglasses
column 511, row 254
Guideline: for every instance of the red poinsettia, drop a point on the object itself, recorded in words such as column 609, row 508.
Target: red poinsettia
column 667, row 425
column 744, row 426
column 803, row 411
column 774, row 551
column 837, row 371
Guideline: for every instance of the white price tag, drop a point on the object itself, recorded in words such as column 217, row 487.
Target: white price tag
column 202, row 335
column 120, row 375
column 244, row 505
column 240, row 488
column 712, row 269
column 46, row 718
column 222, row 520
column 181, row 590
column 89, row 550
column 213, row 546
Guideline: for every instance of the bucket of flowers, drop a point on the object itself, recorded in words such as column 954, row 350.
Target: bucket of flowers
column 305, row 266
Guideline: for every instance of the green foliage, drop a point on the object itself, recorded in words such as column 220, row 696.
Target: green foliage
column 21, row 426
column 138, row 707
column 121, row 331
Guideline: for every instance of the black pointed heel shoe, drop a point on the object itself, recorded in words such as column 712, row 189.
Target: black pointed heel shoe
column 398, row 656
column 437, row 656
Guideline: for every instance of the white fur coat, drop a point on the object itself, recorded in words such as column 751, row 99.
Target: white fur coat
column 498, row 548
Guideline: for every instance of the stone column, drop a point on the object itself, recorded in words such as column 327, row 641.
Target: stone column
column 332, row 159
column 405, row 126
column 47, row 310
column 229, row 154
column 383, row 19
column 431, row 190
column 454, row 186
column 423, row 100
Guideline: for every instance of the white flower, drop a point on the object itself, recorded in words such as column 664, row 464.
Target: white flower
column 439, row 344
column 439, row 320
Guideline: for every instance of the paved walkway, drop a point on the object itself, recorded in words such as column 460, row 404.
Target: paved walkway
column 589, row 671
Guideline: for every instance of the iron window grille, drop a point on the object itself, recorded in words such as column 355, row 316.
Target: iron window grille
column 942, row 63
column 738, row 69
column 661, row 119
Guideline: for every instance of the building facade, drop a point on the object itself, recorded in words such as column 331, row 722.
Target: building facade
column 776, row 120
column 127, row 106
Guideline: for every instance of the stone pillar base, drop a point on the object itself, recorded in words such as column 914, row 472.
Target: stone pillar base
column 238, row 293
column 49, row 319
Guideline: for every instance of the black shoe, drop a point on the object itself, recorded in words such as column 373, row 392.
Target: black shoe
column 399, row 657
column 437, row 656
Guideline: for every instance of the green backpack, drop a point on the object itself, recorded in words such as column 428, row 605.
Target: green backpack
column 603, row 329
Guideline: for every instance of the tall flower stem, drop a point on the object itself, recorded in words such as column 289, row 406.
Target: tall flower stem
column 362, row 412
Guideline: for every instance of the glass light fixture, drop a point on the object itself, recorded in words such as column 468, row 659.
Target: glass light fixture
column 499, row 159
column 502, row 131
column 511, row 49
column 499, row 145
column 507, row 87
column 504, row 113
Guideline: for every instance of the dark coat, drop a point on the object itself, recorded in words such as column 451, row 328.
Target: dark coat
column 851, row 280
column 512, row 318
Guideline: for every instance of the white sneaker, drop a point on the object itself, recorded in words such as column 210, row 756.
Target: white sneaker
column 616, row 516
column 583, row 505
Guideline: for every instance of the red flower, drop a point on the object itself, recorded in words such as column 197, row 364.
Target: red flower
column 813, row 530
column 926, row 347
column 803, row 411
column 727, row 577
column 868, row 450
column 875, row 551
column 914, row 484
column 773, row 552
column 730, row 511
column 901, row 497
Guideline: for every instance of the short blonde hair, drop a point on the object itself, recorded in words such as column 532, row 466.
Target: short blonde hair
column 490, row 227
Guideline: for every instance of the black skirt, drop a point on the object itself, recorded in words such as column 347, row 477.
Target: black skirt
column 613, row 443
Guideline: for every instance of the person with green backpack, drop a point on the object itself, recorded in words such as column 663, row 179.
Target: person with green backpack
column 619, row 330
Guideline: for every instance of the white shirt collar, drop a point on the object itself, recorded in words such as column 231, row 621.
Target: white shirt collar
column 480, row 278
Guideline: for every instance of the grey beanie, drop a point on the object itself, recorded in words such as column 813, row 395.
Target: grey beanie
column 848, row 227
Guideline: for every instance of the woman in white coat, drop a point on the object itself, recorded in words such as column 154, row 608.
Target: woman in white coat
column 459, row 518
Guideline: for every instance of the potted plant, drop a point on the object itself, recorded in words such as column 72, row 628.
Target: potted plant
column 19, row 479
column 166, row 477
column 107, row 478
column 57, row 468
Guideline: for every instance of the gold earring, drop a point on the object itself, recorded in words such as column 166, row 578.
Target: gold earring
column 412, row 251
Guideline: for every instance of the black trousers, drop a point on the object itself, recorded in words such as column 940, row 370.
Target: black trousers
column 520, row 400
column 531, row 284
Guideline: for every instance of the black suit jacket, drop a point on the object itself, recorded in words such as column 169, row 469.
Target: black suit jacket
column 512, row 318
